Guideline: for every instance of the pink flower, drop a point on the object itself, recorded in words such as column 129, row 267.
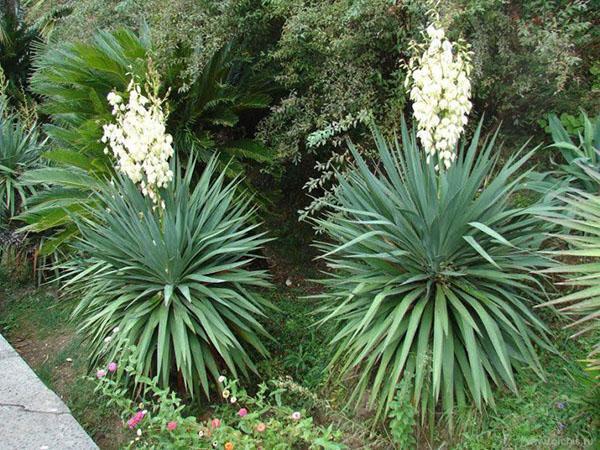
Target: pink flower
column 100, row 373
column 216, row 423
column 242, row 412
column 261, row 427
column 137, row 417
column 171, row 426
column 112, row 367
column 296, row 415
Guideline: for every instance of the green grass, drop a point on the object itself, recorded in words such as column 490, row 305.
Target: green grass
column 37, row 323
column 549, row 415
column 299, row 349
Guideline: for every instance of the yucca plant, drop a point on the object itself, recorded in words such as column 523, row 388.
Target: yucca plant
column 20, row 150
column 176, row 282
column 579, row 216
column 579, row 154
column 74, row 79
column 430, row 276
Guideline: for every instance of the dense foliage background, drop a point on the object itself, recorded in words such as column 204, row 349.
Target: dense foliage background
column 331, row 59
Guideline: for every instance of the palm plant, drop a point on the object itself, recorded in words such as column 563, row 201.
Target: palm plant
column 430, row 276
column 579, row 154
column 18, row 40
column 580, row 215
column 176, row 282
column 205, row 111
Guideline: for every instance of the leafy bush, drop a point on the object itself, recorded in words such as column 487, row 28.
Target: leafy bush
column 431, row 276
column 529, row 57
column 580, row 215
column 402, row 416
column 581, row 154
column 176, row 282
column 336, row 59
column 244, row 422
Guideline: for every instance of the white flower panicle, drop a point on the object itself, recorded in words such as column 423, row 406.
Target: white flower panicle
column 440, row 93
column 139, row 141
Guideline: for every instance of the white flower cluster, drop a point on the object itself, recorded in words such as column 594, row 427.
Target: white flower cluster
column 139, row 140
column 440, row 93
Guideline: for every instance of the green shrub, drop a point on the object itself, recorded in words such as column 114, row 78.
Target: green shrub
column 529, row 57
column 402, row 416
column 337, row 59
column 176, row 282
column 580, row 218
column 431, row 276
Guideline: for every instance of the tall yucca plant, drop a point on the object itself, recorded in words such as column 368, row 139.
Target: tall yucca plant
column 430, row 275
column 177, row 282
column 580, row 215
column 74, row 79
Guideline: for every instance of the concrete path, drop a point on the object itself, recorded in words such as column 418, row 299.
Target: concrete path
column 32, row 417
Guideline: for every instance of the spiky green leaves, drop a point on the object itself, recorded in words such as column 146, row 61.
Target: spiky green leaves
column 20, row 149
column 430, row 275
column 579, row 215
column 176, row 282
column 581, row 155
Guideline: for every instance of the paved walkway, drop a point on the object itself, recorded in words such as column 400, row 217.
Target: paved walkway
column 32, row 417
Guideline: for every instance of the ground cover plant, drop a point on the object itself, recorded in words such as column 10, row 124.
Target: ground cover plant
column 297, row 224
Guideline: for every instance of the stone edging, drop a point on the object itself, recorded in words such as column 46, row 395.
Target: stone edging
column 32, row 417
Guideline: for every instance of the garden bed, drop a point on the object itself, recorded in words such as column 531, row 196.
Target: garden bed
column 545, row 415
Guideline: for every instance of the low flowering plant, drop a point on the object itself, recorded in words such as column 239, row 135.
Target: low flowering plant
column 156, row 418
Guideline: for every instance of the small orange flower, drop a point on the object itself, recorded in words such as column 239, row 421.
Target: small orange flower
column 261, row 427
column 228, row 446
